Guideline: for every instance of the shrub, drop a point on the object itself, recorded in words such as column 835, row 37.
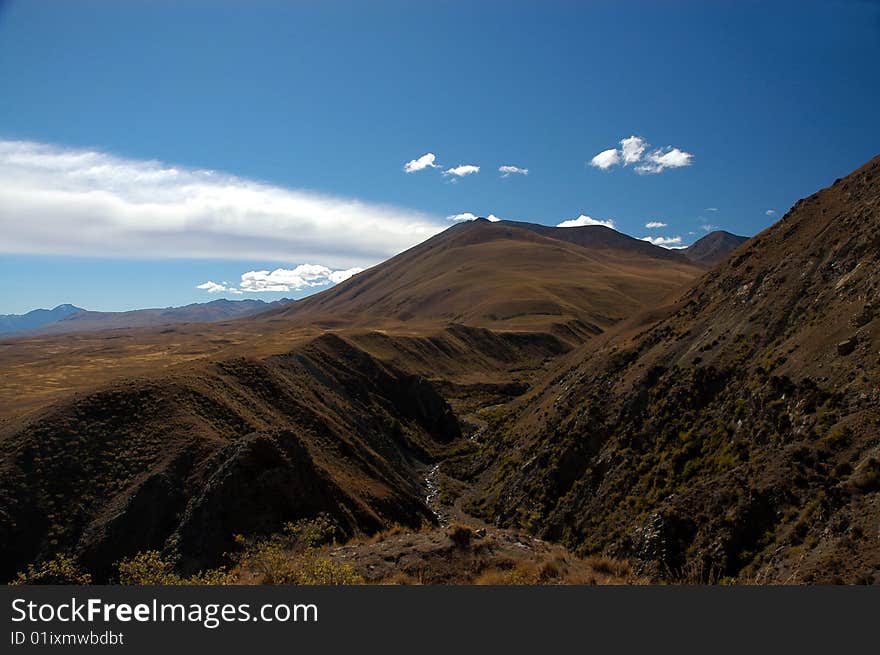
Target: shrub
column 295, row 557
column 152, row 569
column 324, row 571
column 837, row 437
column 274, row 563
column 148, row 568
column 311, row 533
column 460, row 535
column 61, row 569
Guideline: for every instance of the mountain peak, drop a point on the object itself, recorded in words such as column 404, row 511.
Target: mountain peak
column 506, row 274
column 713, row 248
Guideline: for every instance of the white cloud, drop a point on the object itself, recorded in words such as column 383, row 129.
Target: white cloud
column 711, row 209
column 606, row 159
column 583, row 220
column 632, row 148
column 708, row 227
column 425, row 161
column 64, row 201
column 294, row 279
column 654, row 224
column 507, row 171
column 770, row 212
column 666, row 242
column 283, row 279
column 659, row 160
column 470, row 216
column 461, row 171
column 212, row 287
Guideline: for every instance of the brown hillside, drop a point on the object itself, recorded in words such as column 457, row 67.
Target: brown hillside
column 506, row 275
column 739, row 436
column 178, row 438
column 236, row 447
column 499, row 276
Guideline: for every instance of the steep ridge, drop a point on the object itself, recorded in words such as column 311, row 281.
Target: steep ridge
column 240, row 446
column 739, row 436
column 713, row 248
column 506, row 275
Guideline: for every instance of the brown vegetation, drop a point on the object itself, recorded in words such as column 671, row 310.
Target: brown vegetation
column 732, row 440
column 173, row 441
column 551, row 382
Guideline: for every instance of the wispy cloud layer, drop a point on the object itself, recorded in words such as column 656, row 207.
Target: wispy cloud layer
column 56, row 200
column 583, row 220
column 634, row 151
column 507, row 171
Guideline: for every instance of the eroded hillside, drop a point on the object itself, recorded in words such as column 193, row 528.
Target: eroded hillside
column 739, row 437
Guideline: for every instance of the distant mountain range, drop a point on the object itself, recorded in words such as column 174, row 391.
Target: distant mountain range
column 36, row 319
column 70, row 318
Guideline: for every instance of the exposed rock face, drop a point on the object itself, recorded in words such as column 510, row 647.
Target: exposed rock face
column 723, row 441
column 846, row 347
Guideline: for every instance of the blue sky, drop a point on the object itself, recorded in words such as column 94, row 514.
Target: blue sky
column 233, row 111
